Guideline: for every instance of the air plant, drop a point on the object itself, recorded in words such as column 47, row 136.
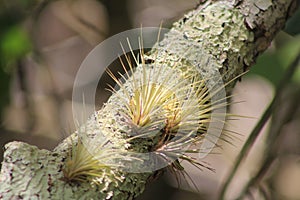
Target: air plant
column 161, row 103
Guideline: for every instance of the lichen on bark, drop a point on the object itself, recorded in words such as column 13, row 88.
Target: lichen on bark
column 218, row 36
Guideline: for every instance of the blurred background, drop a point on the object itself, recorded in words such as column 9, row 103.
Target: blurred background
column 42, row 44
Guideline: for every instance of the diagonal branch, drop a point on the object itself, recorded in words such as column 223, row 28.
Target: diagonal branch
column 218, row 36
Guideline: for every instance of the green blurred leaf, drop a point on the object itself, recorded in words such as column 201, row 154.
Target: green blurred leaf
column 288, row 53
column 293, row 24
column 14, row 41
column 272, row 64
column 27, row 3
column 14, row 45
column 268, row 66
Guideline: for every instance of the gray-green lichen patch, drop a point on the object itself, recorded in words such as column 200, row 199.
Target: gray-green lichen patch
column 263, row 4
column 213, row 38
column 30, row 173
column 265, row 17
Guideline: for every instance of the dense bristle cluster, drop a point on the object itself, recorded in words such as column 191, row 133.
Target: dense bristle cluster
column 89, row 160
column 175, row 105
column 81, row 165
column 162, row 103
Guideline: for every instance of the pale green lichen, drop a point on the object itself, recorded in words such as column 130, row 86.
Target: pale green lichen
column 263, row 4
column 223, row 34
column 108, row 120
column 37, row 174
column 210, row 40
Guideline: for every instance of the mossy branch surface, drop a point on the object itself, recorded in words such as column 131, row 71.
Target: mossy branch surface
column 218, row 36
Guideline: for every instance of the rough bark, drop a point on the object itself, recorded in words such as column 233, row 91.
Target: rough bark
column 224, row 36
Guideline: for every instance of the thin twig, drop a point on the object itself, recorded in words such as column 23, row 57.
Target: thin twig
column 273, row 140
column 256, row 131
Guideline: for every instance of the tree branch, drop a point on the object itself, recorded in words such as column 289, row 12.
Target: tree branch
column 218, row 36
